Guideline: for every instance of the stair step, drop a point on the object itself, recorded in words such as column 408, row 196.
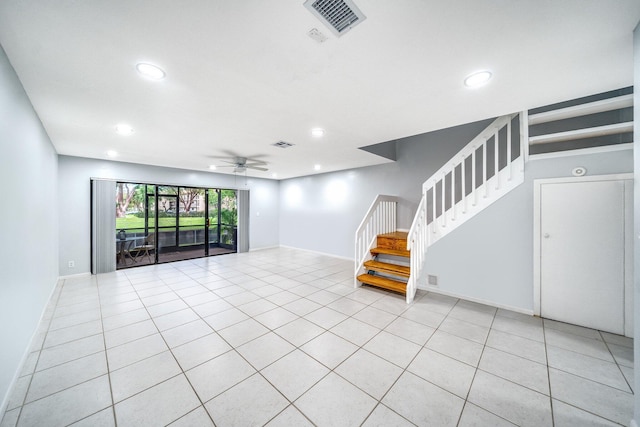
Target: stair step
column 383, row 282
column 395, row 252
column 395, row 240
column 385, row 267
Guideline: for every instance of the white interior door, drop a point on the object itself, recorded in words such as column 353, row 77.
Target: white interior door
column 582, row 253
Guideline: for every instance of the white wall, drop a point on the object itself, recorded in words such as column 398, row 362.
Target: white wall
column 29, row 237
column 75, row 173
column 490, row 257
column 322, row 212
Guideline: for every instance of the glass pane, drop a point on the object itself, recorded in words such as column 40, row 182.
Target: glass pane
column 192, row 217
column 228, row 218
column 213, row 216
column 167, row 190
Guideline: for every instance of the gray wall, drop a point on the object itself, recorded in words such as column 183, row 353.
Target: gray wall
column 75, row 173
column 322, row 212
column 490, row 257
column 636, row 222
column 29, row 249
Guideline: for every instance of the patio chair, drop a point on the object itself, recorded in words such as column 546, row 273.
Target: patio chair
column 144, row 250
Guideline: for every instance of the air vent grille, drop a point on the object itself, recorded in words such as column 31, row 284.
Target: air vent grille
column 338, row 15
column 282, row 144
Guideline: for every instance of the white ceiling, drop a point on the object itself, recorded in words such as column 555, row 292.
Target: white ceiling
column 244, row 74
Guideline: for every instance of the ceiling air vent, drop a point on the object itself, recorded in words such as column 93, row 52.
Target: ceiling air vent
column 282, row 144
column 339, row 15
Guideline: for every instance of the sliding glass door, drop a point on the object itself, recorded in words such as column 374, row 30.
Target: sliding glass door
column 157, row 224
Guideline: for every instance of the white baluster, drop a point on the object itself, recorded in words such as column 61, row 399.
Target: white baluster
column 509, row 172
column 453, row 192
column 496, row 157
column 444, row 193
column 484, row 168
column 473, row 177
column 463, row 185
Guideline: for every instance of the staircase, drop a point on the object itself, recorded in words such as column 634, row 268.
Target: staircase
column 487, row 168
column 389, row 267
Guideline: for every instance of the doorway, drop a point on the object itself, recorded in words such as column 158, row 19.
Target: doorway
column 582, row 252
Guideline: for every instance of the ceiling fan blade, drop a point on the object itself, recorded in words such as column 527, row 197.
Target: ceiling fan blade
column 256, row 163
column 256, row 168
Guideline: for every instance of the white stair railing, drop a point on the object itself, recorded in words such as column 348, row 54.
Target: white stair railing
column 487, row 168
column 380, row 219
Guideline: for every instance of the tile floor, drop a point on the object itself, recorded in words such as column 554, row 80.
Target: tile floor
column 281, row 338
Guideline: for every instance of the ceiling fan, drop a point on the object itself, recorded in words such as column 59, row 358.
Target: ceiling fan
column 241, row 164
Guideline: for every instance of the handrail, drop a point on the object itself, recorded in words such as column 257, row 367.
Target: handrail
column 379, row 219
column 447, row 201
column 609, row 104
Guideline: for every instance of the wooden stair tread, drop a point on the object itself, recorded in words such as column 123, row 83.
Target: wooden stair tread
column 396, row 235
column 395, row 252
column 385, row 267
column 383, row 282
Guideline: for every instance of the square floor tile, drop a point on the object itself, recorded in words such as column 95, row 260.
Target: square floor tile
column 225, row 318
column 568, row 416
column 129, row 333
column 290, row 417
column 125, row 319
column 69, row 405
column 375, row 317
column 325, row 317
column 302, row 306
column 346, row 306
column 385, row 417
column 423, row 403
column 530, row 329
column 257, row 307
column 355, row 331
column 421, row 314
column 282, row 298
column 299, row 331
column 458, row 348
column 275, row 318
column 443, row 371
column 135, row 351
column 103, row 418
column 294, row 374
column 242, row 332
column 601, row 400
column 623, row 355
column 392, row 348
column 68, row 374
column 212, row 307
column 159, row 405
column 410, row 330
column 231, row 408
column 174, row 319
column 369, row 372
column 519, row 346
column 335, row 402
column 472, row 315
column 217, row 375
column 329, row 349
column 63, row 353
column 578, row 344
column 516, row 369
column 184, row 333
column 474, row 416
column 72, row 333
column 196, row 418
column 587, row 367
column 200, row 350
column 464, row 329
column 139, row 376
column 508, row 400
column 265, row 350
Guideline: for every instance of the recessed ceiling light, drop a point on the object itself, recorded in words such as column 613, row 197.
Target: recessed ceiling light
column 124, row 129
column 317, row 132
column 112, row 153
column 151, row 71
column 477, row 79
column 275, row 175
column 317, row 167
column 212, row 167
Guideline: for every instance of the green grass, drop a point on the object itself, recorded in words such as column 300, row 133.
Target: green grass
column 133, row 222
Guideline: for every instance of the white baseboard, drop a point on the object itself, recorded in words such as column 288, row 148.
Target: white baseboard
column 318, row 252
column 437, row 290
column 263, row 248
column 27, row 351
column 74, row 276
